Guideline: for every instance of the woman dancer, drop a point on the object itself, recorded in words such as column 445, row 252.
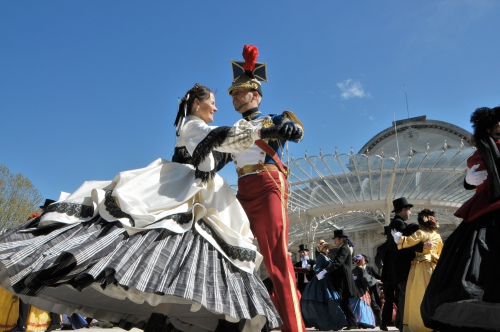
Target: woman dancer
column 421, row 268
column 464, row 293
column 320, row 301
column 165, row 245
column 362, row 301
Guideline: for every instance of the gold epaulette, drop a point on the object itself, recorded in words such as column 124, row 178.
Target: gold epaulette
column 292, row 117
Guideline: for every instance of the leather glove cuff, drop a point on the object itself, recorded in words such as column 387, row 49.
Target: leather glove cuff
column 271, row 132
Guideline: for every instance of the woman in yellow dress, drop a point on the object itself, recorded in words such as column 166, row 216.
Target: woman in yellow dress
column 37, row 320
column 421, row 268
column 9, row 310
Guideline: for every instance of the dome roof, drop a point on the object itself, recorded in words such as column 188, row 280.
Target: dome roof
column 355, row 191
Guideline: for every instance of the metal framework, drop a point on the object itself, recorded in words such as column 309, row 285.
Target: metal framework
column 355, row 191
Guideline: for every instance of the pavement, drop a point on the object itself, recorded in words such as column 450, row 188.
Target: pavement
column 116, row 329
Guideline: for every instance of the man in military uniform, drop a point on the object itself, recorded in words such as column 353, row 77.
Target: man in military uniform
column 262, row 187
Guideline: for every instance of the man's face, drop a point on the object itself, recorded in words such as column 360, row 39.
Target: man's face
column 337, row 241
column 303, row 253
column 406, row 213
column 242, row 99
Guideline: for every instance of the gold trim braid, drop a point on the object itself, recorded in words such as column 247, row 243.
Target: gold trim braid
column 246, row 85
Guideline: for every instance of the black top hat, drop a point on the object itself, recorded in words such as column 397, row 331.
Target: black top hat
column 387, row 230
column 47, row 203
column 338, row 233
column 400, row 203
column 303, row 247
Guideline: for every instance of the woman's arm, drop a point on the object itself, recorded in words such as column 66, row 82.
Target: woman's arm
column 405, row 242
column 321, row 263
column 201, row 139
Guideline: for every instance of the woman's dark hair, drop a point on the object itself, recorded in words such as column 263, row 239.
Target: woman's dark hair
column 427, row 220
column 483, row 119
column 199, row 92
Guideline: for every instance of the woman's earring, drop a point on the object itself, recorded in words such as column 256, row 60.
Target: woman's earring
column 197, row 108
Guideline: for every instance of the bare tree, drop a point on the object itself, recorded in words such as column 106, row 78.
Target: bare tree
column 18, row 198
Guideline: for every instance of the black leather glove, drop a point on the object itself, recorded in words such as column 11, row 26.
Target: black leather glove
column 271, row 132
column 290, row 131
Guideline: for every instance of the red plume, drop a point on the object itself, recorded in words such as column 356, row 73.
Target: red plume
column 33, row 215
column 250, row 54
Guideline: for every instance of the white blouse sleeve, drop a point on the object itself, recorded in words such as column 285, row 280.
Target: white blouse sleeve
column 196, row 134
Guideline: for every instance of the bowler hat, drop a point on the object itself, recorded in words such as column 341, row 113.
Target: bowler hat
column 338, row 233
column 387, row 230
column 47, row 203
column 400, row 203
column 303, row 247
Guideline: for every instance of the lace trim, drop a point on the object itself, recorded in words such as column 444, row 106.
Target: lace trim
column 206, row 146
column 113, row 208
column 180, row 218
column 182, row 156
column 72, row 209
column 234, row 252
column 214, row 139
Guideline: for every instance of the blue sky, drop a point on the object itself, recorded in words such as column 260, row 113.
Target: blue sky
column 90, row 88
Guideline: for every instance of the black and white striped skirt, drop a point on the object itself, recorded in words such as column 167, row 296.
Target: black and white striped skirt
column 97, row 269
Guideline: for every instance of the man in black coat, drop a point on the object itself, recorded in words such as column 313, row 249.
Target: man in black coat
column 387, row 283
column 340, row 272
column 381, row 250
column 304, row 268
column 399, row 261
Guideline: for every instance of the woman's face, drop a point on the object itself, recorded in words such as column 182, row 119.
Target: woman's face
column 206, row 109
column 325, row 250
column 495, row 132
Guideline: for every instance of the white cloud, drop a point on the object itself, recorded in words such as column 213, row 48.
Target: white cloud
column 351, row 89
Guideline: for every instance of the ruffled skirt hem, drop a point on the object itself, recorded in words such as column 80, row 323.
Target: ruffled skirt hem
column 96, row 269
column 467, row 316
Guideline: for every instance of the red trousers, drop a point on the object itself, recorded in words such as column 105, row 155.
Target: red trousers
column 265, row 202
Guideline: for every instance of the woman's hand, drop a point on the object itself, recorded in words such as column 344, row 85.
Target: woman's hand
column 321, row 275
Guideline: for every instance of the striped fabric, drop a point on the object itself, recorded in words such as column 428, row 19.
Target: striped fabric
column 145, row 270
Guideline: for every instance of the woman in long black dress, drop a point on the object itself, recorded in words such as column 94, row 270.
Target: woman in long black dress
column 320, row 302
column 464, row 291
column 165, row 245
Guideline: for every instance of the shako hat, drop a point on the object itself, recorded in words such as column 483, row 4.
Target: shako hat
column 400, row 203
column 249, row 73
column 338, row 233
column 303, row 247
column 387, row 230
column 47, row 203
